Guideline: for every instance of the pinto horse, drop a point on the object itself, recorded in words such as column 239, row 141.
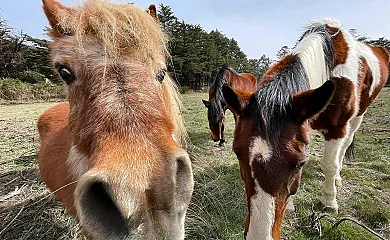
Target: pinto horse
column 216, row 105
column 113, row 154
column 325, row 84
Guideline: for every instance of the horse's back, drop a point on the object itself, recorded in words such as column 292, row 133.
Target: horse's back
column 243, row 82
column 252, row 79
column 53, row 128
column 368, row 88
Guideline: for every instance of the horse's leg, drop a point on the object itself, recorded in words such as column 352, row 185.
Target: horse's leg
column 330, row 166
column 290, row 204
column 222, row 140
column 354, row 126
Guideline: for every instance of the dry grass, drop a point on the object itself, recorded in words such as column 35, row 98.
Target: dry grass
column 218, row 207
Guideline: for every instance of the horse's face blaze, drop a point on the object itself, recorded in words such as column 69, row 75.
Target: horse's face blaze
column 276, row 168
column 272, row 152
column 275, row 171
column 124, row 129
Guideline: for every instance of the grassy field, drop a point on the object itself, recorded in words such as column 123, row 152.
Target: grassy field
column 218, row 206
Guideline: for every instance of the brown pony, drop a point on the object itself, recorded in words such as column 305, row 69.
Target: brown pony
column 113, row 154
column 273, row 124
column 216, row 105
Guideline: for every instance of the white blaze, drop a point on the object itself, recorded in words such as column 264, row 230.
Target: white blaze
column 262, row 204
column 262, row 215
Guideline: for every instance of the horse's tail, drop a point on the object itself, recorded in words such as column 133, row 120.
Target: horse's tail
column 350, row 153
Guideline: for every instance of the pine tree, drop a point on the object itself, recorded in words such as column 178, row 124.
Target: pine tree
column 260, row 66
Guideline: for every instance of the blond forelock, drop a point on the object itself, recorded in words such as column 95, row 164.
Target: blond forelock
column 122, row 29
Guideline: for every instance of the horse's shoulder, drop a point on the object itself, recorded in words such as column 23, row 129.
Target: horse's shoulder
column 53, row 119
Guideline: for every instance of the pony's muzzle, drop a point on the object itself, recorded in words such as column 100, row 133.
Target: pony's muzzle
column 98, row 213
column 215, row 137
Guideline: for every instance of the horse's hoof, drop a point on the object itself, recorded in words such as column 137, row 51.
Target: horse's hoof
column 338, row 182
column 330, row 207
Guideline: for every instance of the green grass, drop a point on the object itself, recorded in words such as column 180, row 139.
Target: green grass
column 218, row 207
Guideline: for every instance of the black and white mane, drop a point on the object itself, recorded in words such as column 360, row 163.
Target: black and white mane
column 307, row 67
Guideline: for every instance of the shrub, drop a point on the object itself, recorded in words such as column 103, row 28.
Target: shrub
column 32, row 77
column 12, row 89
column 16, row 90
column 47, row 91
column 184, row 89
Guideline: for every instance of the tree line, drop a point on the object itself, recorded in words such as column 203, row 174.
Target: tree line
column 195, row 54
column 24, row 57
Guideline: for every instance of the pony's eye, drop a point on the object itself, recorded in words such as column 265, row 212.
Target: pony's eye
column 65, row 73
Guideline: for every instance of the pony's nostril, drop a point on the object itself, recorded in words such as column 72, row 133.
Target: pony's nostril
column 98, row 213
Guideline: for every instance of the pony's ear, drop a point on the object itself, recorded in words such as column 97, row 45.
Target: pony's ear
column 308, row 104
column 206, row 103
column 233, row 100
column 153, row 12
column 51, row 8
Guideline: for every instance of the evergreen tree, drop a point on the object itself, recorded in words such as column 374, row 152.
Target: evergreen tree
column 285, row 50
column 260, row 66
column 167, row 19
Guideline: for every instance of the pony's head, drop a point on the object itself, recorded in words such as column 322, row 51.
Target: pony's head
column 134, row 180
column 270, row 141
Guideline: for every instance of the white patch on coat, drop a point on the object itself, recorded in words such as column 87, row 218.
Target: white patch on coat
column 351, row 68
column 262, row 215
column 78, row 162
column 311, row 53
column 261, row 147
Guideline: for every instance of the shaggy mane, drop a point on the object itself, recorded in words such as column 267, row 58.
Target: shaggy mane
column 122, row 29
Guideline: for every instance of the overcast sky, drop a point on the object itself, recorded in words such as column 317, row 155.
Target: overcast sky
column 259, row 26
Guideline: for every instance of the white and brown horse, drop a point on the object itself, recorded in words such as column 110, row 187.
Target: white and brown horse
column 113, row 154
column 273, row 124
column 216, row 105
